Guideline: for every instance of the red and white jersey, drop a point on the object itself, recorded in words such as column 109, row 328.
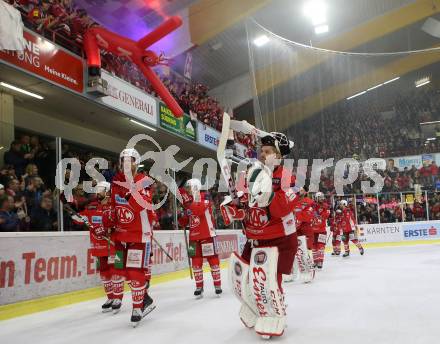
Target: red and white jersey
column 198, row 215
column 346, row 221
column 322, row 213
column 332, row 223
column 278, row 219
column 133, row 222
column 93, row 214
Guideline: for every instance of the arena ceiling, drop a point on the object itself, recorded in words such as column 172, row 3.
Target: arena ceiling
column 218, row 40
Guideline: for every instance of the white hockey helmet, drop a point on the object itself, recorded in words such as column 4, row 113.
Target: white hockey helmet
column 343, row 203
column 319, row 196
column 194, row 184
column 103, row 186
column 132, row 153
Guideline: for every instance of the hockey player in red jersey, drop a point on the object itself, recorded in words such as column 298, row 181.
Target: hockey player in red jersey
column 305, row 216
column 269, row 225
column 133, row 221
column 100, row 240
column 198, row 216
column 319, row 224
column 335, row 228
column 348, row 226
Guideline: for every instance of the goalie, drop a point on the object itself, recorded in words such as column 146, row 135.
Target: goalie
column 267, row 212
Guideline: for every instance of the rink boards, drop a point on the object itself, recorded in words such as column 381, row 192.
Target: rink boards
column 35, row 265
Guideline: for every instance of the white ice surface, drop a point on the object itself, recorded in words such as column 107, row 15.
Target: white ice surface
column 390, row 295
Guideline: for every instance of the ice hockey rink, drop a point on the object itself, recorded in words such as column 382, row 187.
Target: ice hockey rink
column 390, row 295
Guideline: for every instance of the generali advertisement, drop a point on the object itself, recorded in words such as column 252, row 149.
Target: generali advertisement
column 129, row 99
column 46, row 60
column 34, row 265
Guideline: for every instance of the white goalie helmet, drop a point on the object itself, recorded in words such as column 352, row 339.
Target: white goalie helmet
column 131, row 153
column 343, row 203
column 259, row 181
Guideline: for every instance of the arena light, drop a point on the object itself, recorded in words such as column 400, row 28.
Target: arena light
column 357, row 95
column 319, row 30
column 20, row 90
column 374, row 87
column 142, row 124
column 392, row 80
column 423, row 82
column 316, row 11
column 261, row 40
column 432, row 122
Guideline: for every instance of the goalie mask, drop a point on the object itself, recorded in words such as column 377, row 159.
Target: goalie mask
column 279, row 141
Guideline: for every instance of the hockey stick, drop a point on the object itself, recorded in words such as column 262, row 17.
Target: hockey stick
column 162, row 249
column 247, row 128
column 86, row 223
column 187, row 253
column 224, row 153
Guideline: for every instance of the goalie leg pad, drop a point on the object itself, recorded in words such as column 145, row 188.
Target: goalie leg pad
column 239, row 279
column 306, row 268
column 266, row 291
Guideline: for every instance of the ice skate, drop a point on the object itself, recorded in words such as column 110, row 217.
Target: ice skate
column 107, row 306
column 198, row 293
column 116, row 306
column 218, row 290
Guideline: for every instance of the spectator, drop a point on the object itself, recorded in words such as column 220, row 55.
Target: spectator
column 43, row 217
column 30, row 172
column 419, row 211
column 409, row 216
column 13, row 188
column 9, row 221
column 34, row 192
column 15, row 158
column 2, row 190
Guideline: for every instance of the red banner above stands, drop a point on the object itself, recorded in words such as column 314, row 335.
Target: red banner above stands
column 45, row 59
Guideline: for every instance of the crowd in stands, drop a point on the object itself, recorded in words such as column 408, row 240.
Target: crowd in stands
column 362, row 130
column 28, row 200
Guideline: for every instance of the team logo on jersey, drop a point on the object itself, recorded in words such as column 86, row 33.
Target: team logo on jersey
column 238, row 269
column 194, row 221
column 124, row 215
column 120, row 200
column 257, row 217
column 97, row 219
column 260, row 258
